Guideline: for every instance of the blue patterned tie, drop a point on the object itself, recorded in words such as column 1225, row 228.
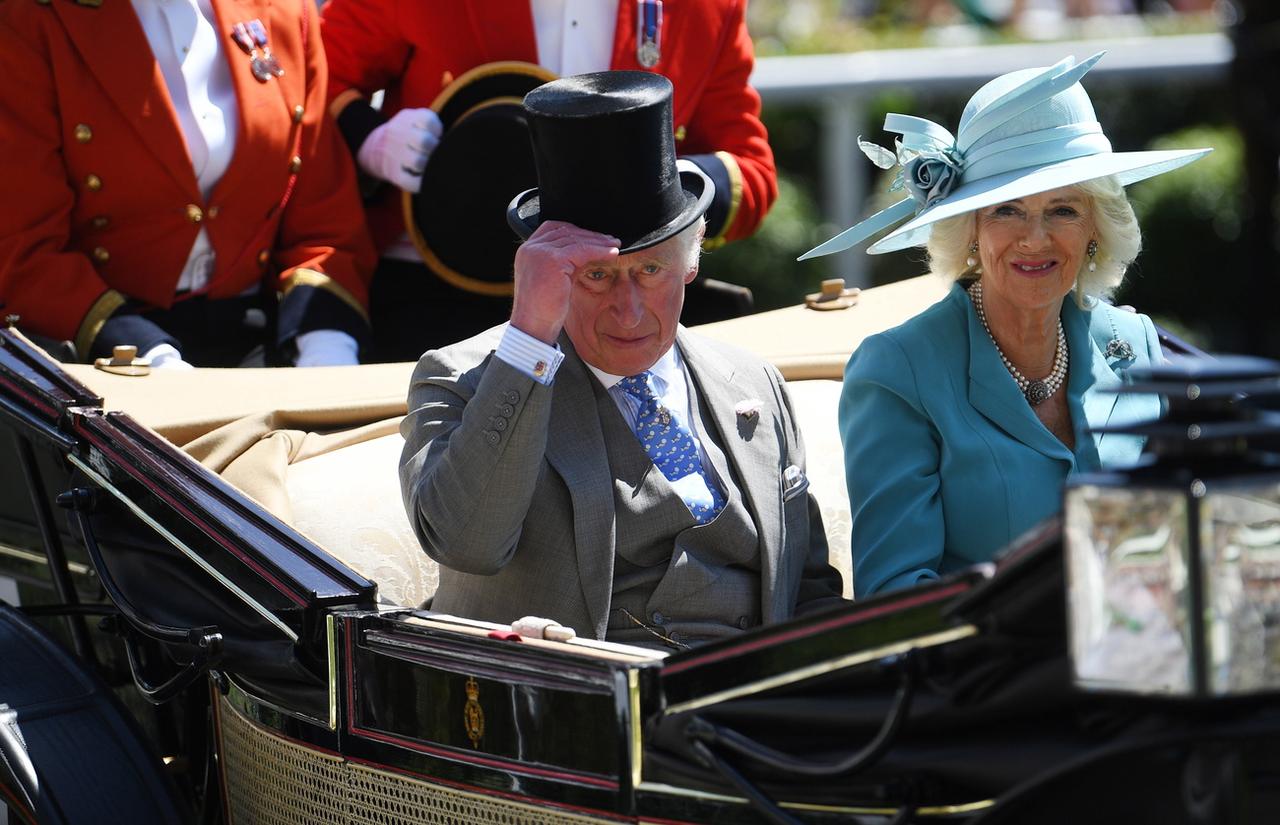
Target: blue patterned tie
column 671, row 448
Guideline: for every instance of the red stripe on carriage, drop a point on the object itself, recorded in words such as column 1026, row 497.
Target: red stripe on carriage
column 44, row 408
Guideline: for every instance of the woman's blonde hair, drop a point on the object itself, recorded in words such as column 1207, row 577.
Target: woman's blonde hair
column 1114, row 225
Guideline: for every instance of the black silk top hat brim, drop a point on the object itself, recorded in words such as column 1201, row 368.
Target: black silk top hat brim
column 457, row 220
column 605, row 153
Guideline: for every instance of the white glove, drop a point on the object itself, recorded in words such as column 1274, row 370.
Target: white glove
column 397, row 151
column 327, row 348
column 165, row 357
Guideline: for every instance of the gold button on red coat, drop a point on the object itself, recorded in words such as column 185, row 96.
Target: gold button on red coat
column 263, row 257
column 194, row 213
column 100, row 221
column 83, row 133
column 93, row 182
column 101, row 255
column 298, row 112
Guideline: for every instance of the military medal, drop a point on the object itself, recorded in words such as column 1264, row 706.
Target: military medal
column 648, row 32
column 248, row 36
column 259, row 33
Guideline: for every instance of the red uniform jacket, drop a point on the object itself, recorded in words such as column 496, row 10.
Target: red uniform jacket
column 414, row 48
column 100, row 202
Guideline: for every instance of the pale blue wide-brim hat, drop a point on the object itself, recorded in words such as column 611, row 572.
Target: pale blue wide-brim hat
column 1023, row 133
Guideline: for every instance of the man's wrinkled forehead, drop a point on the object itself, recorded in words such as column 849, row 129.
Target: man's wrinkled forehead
column 669, row 253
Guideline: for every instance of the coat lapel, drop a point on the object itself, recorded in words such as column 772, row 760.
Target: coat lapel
column 1094, row 376
column 624, row 37
column 261, row 106
column 994, row 394
column 625, row 41
column 504, row 28
column 577, row 451
column 110, row 38
column 1102, row 405
column 751, row 446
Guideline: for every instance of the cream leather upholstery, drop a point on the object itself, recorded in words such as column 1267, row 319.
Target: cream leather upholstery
column 348, row 501
column 814, row 403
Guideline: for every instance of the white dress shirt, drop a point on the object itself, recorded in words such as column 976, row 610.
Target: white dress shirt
column 574, row 36
column 188, row 50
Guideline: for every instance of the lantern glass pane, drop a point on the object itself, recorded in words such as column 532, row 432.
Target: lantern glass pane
column 1127, row 571
column 1240, row 541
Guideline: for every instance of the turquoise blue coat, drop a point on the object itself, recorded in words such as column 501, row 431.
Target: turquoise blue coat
column 945, row 461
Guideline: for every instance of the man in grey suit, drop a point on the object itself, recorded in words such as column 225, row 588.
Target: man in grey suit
column 591, row 461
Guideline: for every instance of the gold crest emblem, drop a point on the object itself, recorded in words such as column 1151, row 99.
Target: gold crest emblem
column 473, row 714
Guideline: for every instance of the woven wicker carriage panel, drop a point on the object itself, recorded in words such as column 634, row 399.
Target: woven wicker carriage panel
column 274, row 781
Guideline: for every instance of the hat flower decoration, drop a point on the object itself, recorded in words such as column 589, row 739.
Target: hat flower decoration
column 926, row 173
column 1023, row 133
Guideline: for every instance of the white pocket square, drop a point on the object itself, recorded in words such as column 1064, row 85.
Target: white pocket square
column 794, row 482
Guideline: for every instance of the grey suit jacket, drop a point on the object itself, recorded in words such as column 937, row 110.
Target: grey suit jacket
column 507, row 483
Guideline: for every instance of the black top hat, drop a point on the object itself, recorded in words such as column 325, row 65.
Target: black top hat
column 606, row 160
column 457, row 219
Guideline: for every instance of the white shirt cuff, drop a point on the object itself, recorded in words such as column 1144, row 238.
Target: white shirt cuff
column 530, row 356
column 326, row 348
column 165, row 357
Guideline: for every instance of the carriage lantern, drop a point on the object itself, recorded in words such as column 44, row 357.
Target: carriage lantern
column 1174, row 564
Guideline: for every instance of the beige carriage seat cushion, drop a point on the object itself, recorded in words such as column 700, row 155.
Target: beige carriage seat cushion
column 341, row 489
column 348, row 501
column 326, row 489
column 815, row 403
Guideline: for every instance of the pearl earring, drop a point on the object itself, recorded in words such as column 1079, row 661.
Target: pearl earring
column 973, row 250
column 1091, row 251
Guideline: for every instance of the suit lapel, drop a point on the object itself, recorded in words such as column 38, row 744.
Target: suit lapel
column 751, row 447
column 577, row 451
column 110, row 39
column 994, row 394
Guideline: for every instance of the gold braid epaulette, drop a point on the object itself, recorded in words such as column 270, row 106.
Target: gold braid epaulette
column 344, row 100
column 102, row 309
column 735, row 201
column 319, row 280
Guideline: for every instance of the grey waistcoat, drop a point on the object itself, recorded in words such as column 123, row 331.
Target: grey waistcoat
column 685, row 582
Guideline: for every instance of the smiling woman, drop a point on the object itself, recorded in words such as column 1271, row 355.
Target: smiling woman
column 961, row 425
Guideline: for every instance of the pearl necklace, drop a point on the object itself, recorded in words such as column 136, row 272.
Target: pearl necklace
column 1035, row 390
